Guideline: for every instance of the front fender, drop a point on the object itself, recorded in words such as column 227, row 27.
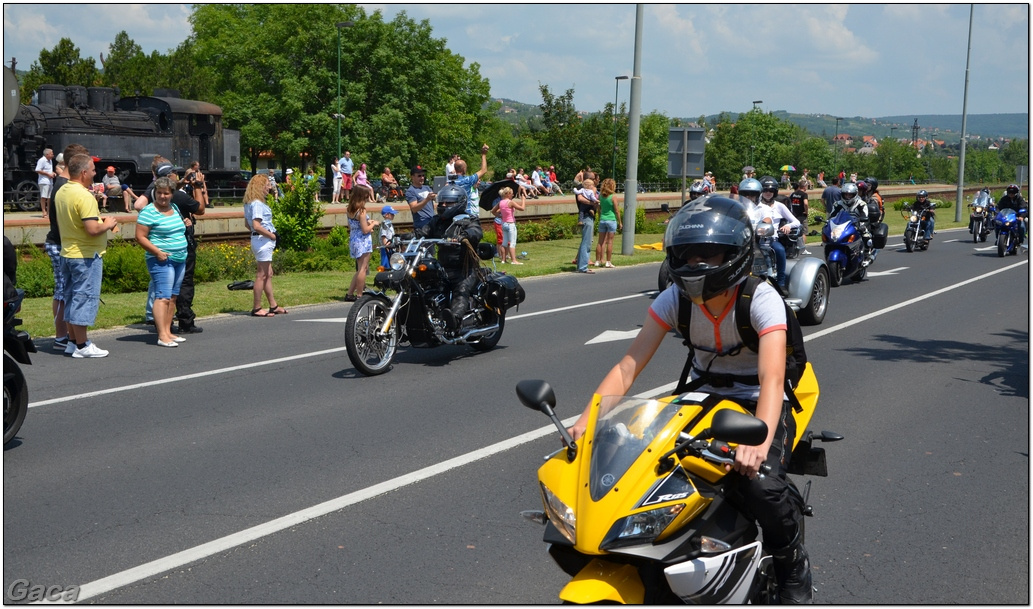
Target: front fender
column 801, row 275
column 602, row 581
column 837, row 254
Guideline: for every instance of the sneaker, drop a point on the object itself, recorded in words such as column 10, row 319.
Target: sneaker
column 70, row 349
column 90, row 350
column 806, row 252
column 60, row 344
column 189, row 329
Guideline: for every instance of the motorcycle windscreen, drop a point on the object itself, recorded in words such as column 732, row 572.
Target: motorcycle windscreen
column 620, row 437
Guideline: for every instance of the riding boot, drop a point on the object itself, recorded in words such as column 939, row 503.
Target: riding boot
column 793, row 572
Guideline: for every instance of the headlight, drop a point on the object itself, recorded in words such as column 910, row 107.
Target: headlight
column 397, row 261
column 640, row 528
column 979, row 210
column 913, row 218
column 560, row 514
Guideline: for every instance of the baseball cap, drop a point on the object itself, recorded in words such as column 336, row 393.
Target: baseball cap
column 166, row 168
column 111, row 168
column 289, row 171
column 417, row 169
column 387, row 209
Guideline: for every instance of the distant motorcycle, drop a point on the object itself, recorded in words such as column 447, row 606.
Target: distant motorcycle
column 981, row 219
column 1009, row 232
column 914, row 230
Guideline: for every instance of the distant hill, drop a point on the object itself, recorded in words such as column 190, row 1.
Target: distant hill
column 930, row 126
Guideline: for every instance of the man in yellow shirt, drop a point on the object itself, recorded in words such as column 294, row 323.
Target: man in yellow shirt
column 84, row 239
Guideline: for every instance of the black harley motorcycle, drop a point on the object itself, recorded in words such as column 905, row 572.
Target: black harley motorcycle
column 17, row 347
column 443, row 296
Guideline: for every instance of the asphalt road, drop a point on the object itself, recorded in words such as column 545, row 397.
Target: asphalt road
column 254, row 465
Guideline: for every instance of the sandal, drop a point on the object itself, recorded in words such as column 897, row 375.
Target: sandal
column 278, row 310
column 609, row 265
column 255, row 313
column 350, row 298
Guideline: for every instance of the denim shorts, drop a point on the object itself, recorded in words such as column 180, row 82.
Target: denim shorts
column 54, row 251
column 607, row 226
column 167, row 276
column 509, row 233
column 82, row 289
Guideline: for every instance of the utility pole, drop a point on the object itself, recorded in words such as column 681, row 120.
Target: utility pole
column 964, row 122
column 634, row 118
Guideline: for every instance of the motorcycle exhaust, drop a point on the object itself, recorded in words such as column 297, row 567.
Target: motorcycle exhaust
column 471, row 334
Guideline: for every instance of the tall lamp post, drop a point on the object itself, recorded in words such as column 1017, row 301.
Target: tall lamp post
column 616, row 83
column 339, row 116
column 835, row 141
column 890, row 176
column 753, row 131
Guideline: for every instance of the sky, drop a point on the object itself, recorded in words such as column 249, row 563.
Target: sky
column 849, row 60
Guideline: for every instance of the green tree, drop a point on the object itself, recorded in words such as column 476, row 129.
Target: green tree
column 61, row 65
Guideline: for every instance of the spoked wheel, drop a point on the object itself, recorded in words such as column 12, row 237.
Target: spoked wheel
column 488, row 342
column 977, row 231
column 909, row 240
column 369, row 348
column 835, row 274
column 26, row 196
column 814, row 313
column 16, row 398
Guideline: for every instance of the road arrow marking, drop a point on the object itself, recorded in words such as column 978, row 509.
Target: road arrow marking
column 613, row 335
column 889, row 272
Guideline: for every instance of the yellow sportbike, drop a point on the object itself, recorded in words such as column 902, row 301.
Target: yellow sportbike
column 636, row 510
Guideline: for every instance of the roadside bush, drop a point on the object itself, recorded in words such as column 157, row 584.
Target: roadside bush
column 125, row 269
column 338, row 236
column 35, row 275
column 296, row 214
column 223, row 261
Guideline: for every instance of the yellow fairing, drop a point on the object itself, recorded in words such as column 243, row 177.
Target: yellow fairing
column 602, row 581
column 807, row 393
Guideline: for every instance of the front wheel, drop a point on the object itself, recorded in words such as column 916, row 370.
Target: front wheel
column 818, row 304
column 488, row 342
column 663, row 280
column 977, row 231
column 1003, row 243
column 909, row 240
column 835, row 274
column 16, row 398
column 370, row 349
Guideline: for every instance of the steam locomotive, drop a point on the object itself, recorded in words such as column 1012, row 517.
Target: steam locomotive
column 124, row 132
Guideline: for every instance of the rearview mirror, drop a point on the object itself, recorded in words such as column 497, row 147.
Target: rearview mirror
column 732, row 426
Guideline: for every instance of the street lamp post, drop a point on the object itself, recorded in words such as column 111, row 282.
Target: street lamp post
column 616, row 83
column 890, row 176
column 753, row 131
column 339, row 116
column 835, row 141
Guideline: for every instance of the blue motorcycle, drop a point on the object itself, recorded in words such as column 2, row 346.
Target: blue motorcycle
column 846, row 252
column 1009, row 231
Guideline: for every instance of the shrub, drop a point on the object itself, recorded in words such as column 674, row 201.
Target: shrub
column 223, row 261
column 125, row 269
column 338, row 236
column 35, row 274
column 296, row 215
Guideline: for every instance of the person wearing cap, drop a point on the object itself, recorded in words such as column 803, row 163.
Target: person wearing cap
column 387, row 233
column 288, row 177
column 419, row 197
column 112, row 185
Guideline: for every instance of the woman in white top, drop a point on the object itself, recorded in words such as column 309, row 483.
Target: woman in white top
column 259, row 218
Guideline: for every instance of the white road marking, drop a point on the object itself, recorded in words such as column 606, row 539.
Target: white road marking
column 179, row 559
column 613, row 335
column 889, row 272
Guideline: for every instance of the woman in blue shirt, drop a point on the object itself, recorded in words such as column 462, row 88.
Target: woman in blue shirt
column 162, row 233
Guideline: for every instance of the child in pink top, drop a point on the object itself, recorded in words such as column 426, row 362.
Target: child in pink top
column 504, row 210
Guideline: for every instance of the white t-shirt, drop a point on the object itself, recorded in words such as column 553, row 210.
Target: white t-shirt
column 715, row 338
column 44, row 164
column 450, row 169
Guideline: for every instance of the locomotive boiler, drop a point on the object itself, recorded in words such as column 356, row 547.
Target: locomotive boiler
column 124, row 132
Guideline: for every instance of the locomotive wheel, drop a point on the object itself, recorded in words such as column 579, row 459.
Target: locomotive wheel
column 26, row 195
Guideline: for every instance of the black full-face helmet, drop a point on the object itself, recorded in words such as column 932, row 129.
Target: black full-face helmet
column 769, row 184
column 922, row 194
column 449, row 196
column 702, row 229
column 1013, row 189
column 873, row 184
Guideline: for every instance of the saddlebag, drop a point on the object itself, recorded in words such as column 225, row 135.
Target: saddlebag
column 880, row 232
column 502, row 292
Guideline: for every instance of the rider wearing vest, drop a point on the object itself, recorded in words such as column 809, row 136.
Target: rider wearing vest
column 710, row 251
column 1012, row 199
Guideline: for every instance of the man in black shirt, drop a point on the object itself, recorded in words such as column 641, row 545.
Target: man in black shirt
column 801, row 207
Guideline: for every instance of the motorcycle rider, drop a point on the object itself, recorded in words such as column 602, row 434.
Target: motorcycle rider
column 921, row 204
column 460, row 259
column 783, row 219
column 697, row 190
column 1012, row 199
column 858, row 210
column 800, row 205
column 750, row 188
column 710, row 248
column 876, row 206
